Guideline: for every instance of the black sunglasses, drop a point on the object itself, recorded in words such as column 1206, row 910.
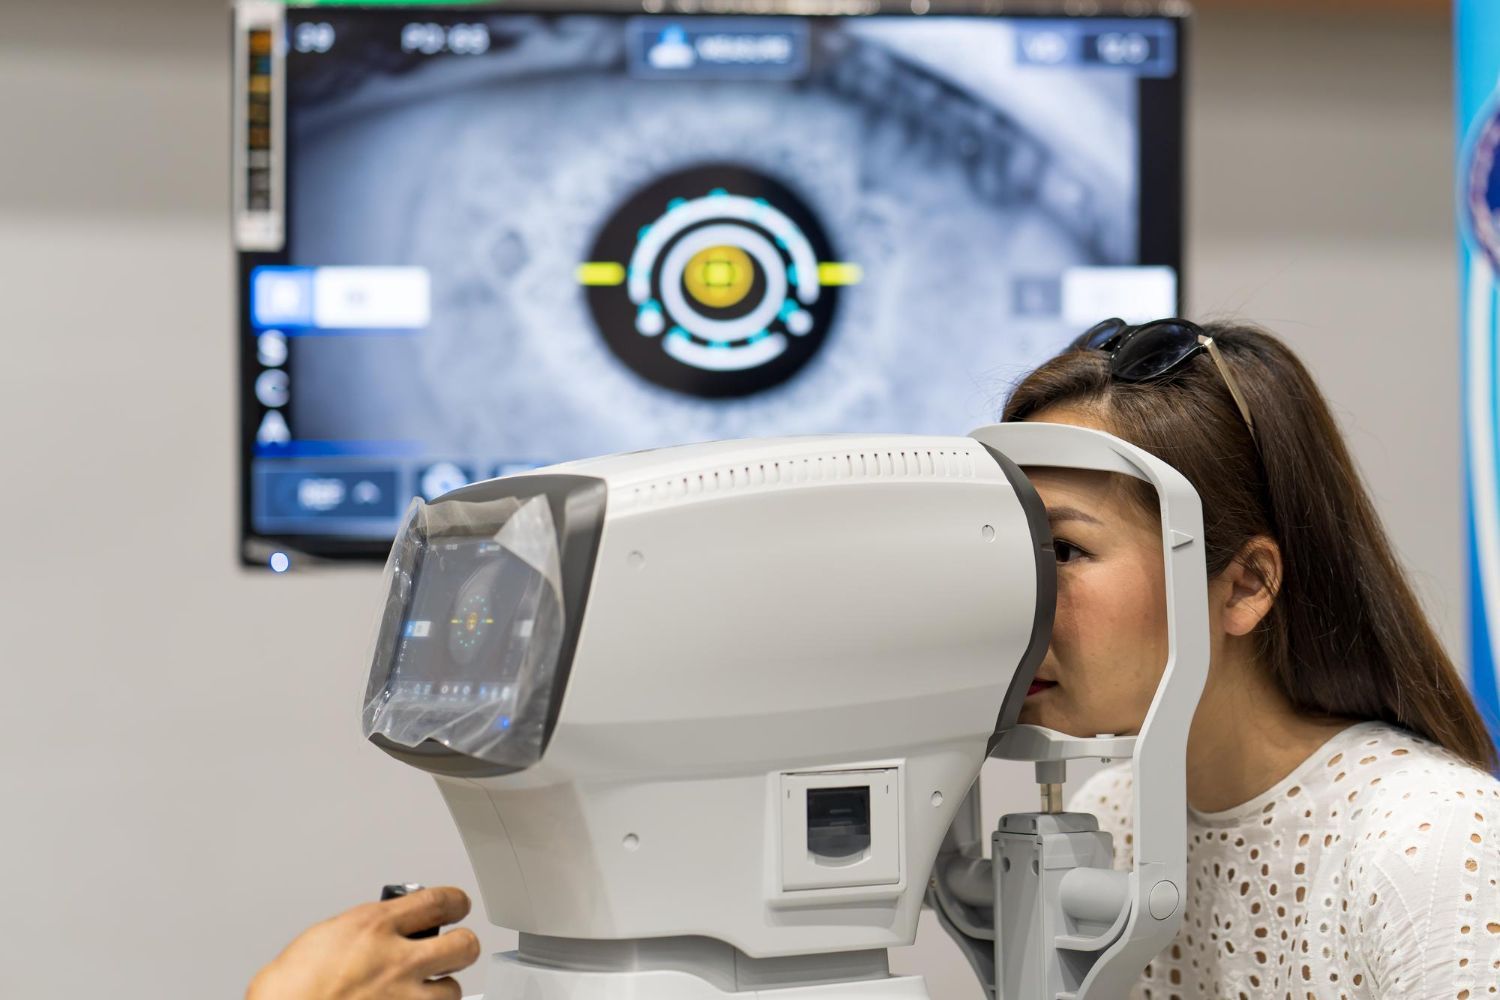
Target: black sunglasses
column 1156, row 349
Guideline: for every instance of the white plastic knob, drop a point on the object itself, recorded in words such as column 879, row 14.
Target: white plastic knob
column 1164, row 897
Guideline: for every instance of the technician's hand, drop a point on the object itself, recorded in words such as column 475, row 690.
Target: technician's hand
column 364, row 954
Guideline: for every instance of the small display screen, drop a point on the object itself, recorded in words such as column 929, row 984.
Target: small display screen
column 472, row 613
column 467, row 652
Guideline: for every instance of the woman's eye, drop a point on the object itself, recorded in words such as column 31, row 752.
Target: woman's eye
column 1065, row 551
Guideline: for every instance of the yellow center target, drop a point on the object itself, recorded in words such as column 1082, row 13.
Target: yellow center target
column 711, row 282
column 719, row 276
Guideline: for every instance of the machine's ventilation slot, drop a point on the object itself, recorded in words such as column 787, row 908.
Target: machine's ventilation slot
column 921, row 463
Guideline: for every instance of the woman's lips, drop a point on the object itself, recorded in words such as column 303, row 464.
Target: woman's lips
column 1039, row 686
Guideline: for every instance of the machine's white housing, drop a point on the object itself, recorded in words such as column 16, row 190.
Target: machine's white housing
column 765, row 615
column 760, row 622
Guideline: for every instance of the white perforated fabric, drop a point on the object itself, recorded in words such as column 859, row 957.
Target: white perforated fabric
column 1372, row 870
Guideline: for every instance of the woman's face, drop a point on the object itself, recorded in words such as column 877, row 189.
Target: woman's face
column 1109, row 636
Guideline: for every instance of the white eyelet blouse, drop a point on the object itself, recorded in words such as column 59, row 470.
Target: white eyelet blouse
column 1372, row 870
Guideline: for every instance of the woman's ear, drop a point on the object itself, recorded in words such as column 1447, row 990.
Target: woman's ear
column 1254, row 577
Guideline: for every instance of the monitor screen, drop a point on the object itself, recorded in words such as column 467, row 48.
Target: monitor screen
column 476, row 241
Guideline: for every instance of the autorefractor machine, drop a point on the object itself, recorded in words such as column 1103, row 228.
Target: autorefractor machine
column 710, row 718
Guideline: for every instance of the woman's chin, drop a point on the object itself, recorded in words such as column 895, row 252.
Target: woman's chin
column 1031, row 715
column 1038, row 710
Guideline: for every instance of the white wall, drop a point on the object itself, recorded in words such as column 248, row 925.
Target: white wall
column 182, row 783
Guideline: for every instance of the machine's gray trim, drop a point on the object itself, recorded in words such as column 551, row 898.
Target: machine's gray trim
column 430, row 755
column 978, row 952
column 1046, row 592
column 577, row 504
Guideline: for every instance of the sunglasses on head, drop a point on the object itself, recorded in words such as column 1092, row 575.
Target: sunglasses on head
column 1156, row 349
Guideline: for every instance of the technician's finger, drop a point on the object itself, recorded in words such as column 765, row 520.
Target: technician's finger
column 427, row 908
column 441, row 989
column 447, row 953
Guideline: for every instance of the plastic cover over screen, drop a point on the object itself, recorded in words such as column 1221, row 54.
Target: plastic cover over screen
column 469, row 637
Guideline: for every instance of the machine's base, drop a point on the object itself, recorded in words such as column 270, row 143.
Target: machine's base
column 511, row 978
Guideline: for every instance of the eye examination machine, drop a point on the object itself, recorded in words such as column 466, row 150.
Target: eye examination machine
column 709, row 718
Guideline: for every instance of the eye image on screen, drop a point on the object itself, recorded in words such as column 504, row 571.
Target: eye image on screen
column 514, row 239
column 471, row 622
column 714, row 281
column 473, row 610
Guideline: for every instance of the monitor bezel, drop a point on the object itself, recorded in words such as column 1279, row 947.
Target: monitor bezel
column 1161, row 233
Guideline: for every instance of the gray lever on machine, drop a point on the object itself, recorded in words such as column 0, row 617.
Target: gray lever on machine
column 396, row 891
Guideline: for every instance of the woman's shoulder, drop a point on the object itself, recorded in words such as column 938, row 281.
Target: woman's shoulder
column 1390, row 771
column 1421, row 872
column 1414, row 805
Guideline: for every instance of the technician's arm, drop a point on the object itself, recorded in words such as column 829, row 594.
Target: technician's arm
column 365, row 954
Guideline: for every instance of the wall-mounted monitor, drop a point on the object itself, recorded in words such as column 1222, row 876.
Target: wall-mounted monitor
column 477, row 239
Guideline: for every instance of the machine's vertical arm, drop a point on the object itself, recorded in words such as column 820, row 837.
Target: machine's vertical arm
column 1149, row 897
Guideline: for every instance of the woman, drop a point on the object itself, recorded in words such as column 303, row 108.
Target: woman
column 1344, row 836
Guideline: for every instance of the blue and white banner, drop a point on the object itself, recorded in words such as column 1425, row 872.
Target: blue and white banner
column 1477, row 42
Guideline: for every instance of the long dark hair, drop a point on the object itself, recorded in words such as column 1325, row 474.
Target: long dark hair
column 1346, row 636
